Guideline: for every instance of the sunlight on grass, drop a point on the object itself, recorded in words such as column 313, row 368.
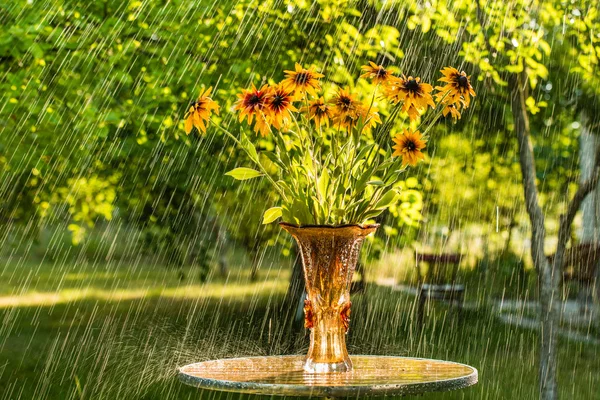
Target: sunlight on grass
column 208, row 290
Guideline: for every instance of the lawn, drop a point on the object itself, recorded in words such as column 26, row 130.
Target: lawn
column 116, row 332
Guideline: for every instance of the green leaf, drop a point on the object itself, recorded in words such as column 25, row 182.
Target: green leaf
column 249, row 147
column 361, row 182
column 307, row 163
column 274, row 159
column 241, row 174
column 272, row 214
column 384, row 165
column 363, row 152
column 371, row 214
column 386, row 200
column 287, row 214
column 323, row 184
column 376, row 183
column 281, row 149
column 393, row 176
column 339, row 212
column 300, row 211
column 356, row 169
column 36, row 50
column 285, row 188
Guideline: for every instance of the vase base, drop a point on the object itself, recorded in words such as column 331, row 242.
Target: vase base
column 326, row 368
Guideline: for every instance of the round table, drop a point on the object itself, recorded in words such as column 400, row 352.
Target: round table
column 370, row 376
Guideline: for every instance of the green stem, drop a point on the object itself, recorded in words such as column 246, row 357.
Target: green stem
column 257, row 162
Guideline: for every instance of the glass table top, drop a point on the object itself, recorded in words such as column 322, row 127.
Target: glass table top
column 371, row 376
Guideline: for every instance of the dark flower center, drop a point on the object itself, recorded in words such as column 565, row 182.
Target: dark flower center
column 381, row 73
column 319, row 111
column 462, row 82
column 253, row 100
column 345, row 102
column 412, row 86
column 278, row 102
column 302, row 77
column 410, row 145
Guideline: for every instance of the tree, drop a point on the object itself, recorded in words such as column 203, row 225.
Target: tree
column 509, row 43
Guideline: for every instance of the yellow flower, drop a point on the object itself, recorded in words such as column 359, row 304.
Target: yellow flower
column 414, row 94
column 376, row 72
column 370, row 118
column 452, row 110
column 303, row 80
column 279, row 106
column 319, row 111
column 344, row 104
column 458, row 89
column 200, row 111
column 408, row 146
column 253, row 102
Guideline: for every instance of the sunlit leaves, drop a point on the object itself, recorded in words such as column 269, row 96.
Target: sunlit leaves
column 243, row 173
column 533, row 106
column 387, row 200
column 323, row 184
column 272, row 214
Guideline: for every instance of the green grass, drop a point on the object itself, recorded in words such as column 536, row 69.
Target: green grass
column 127, row 329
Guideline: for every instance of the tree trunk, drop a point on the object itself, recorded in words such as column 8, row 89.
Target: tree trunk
column 587, row 144
column 508, row 242
column 548, row 281
column 589, row 207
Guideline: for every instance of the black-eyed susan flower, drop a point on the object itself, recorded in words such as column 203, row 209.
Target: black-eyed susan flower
column 376, row 72
column 368, row 117
column 200, row 111
column 344, row 104
column 262, row 124
column 279, row 105
column 408, row 146
column 346, row 121
column 320, row 111
column 414, row 94
column 303, row 80
column 452, row 110
column 252, row 103
column 458, row 89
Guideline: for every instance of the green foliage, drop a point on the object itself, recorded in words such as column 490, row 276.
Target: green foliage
column 97, row 90
column 469, row 182
column 88, row 199
column 551, row 42
column 78, row 78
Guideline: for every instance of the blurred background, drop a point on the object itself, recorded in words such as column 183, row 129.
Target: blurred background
column 125, row 251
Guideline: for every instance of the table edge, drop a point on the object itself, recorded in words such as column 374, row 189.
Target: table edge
column 280, row 389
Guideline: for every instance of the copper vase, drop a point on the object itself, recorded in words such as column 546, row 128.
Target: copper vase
column 329, row 257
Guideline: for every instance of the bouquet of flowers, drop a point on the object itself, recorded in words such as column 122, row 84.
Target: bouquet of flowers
column 336, row 161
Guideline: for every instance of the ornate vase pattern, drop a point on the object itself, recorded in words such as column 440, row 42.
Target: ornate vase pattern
column 329, row 257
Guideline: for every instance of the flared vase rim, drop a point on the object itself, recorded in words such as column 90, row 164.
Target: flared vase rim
column 325, row 226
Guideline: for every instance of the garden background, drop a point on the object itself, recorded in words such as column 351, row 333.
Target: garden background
column 126, row 251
